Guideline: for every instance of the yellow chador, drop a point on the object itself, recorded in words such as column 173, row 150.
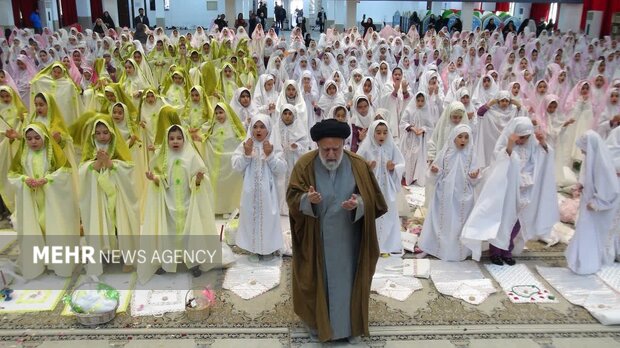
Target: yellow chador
column 11, row 117
column 178, row 213
column 108, row 202
column 46, row 211
column 225, row 134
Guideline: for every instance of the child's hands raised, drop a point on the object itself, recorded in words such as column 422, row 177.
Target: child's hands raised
column 434, row 169
column 390, row 165
column 267, row 148
column 475, row 174
column 372, row 164
column 248, row 146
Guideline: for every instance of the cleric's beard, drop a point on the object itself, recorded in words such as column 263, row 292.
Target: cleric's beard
column 332, row 164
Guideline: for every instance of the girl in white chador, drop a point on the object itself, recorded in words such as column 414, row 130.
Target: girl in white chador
column 454, row 173
column 294, row 142
column 108, row 202
column 178, row 213
column 518, row 195
column 416, row 125
column 613, row 144
column 260, row 161
column 592, row 246
column 388, row 165
column 46, row 203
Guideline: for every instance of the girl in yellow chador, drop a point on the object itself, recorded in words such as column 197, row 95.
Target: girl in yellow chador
column 178, row 213
column 225, row 134
column 46, row 205
column 108, row 201
column 12, row 113
column 55, row 81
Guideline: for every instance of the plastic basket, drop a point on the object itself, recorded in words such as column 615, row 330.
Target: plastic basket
column 199, row 313
column 94, row 319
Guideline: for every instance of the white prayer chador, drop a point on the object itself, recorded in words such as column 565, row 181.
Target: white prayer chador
column 298, row 102
column 414, row 146
column 259, row 218
column 109, row 205
column 592, row 244
column 453, row 199
column 47, row 215
column 178, row 213
column 388, row 225
column 520, row 186
column 294, row 142
column 444, row 128
column 613, row 144
column 490, row 127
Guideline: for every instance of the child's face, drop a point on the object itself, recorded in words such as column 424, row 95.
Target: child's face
column 432, row 82
column 486, row 82
column 465, row 100
column 515, row 89
column 228, row 72
column 195, row 96
column 110, row 96
column 150, row 98
column 244, row 99
column 456, row 117
column 287, row 117
column 367, row 86
column 504, row 103
column 541, row 88
column 129, row 68
column 102, row 134
column 259, row 131
column 137, row 57
column 341, row 115
column 552, row 107
column 522, row 64
column 585, row 89
column 522, row 140
column 331, row 90
column 362, row 107
column 40, row 106
column 269, row 85
column 383, row 68
column 337, row 78
column 118, row 114
column 562, row 77
column 419, row 101
column 291, row 91
column 56, row 73
column 381, row 133
column 461, row 140
column 613, row 98
column 599, row 82
column 178, row 79
column 176, row 140
column 6, row 97
column 528, row 76
column 34, row 140
column 220, row 115
column 397, row 75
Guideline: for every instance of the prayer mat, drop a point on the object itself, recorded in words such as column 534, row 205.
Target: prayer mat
column 26, row 300
column 610, row 274
column 588, row 291
column 463, row 280
column 123, row 282
column 166, row 299
column 251, row 279
column 389, row 280
column 520, row 284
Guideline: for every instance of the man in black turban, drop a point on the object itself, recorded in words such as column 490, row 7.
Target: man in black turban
column 333, row 201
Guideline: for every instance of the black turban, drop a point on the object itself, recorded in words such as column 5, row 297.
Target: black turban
column 330, row 128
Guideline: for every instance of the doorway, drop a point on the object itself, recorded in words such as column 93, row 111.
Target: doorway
column 123, row 13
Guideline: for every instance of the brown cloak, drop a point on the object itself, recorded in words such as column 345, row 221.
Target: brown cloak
column 309, row 297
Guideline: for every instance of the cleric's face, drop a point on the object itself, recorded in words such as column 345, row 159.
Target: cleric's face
column 331, row 149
